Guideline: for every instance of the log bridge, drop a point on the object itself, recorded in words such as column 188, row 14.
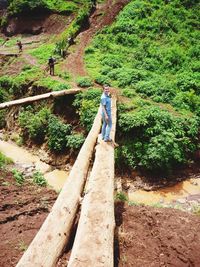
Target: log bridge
column 94, row 240
column 32, row 99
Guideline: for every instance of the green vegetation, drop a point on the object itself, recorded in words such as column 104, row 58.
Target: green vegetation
column 34, row 124
column 154, row 138
column 51, row 84
column 4, row 160
column 75, row 141
column 25, row 6
column 87, row 104
column 121, row 196
column 16, row 86
column 152, row 52
column 81, row 19
column 39, row 179
column 41, row 125
column 43, row 52
column 19, row 178
column 57, row 134
column 84, row 82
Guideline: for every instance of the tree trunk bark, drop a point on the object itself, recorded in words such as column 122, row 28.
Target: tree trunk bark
column 49, row 242
column 38, row 97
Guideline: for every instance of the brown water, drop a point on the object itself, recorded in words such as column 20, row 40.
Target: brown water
column 20, row 156
column 168, row 194
column 56, row 178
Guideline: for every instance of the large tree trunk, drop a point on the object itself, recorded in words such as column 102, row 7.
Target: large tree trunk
column 93, row 245
column 38, row 97
column 49, row 242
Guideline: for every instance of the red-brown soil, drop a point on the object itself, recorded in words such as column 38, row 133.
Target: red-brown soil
column 23, row 210
column 145, row 236
column 156, row 237
column 50, row 24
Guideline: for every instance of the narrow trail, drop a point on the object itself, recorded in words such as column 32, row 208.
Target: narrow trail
column 103, row 15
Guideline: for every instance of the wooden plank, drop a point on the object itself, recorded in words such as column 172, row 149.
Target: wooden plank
column 38, row 97
column 49, row 242
column 93, row 245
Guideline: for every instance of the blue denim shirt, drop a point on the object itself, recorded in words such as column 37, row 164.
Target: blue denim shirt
column 106, row 102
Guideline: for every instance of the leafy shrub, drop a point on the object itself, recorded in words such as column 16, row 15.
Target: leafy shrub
column 75, row 141
column 19, row 178
column 25, row 6
column 3, row 95
column 87, row 104
column 4, row 160
column 39, row 179
column 61, row 86
column 187, row 100
column 35, row 123
column 101, row 79
column 2, row 118
column 84, row 82
column 121, row 196
column 57, row 134
column 128, row 93
column 155, row 139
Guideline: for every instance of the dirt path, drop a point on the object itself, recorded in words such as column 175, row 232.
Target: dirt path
column 103, row 15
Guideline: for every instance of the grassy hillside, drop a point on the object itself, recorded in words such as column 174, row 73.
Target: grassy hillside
column 151, row 52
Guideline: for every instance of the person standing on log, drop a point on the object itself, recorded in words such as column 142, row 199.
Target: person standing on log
column 106, row 114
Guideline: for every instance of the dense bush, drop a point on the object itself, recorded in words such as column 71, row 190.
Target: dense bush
column 17, row 7
column 58, row 134
column 75, row 141
column 35, row 123
column 25, row 6
column 84, row 81
column 155, row 139
column 87, row 104
column 4, row 160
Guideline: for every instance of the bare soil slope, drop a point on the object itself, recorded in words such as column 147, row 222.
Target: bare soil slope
column 22, row 211
column 157, row 237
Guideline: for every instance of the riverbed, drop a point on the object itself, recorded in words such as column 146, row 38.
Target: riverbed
column 26, row 160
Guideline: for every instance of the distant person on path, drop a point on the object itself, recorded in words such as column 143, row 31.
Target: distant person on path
column 106, row 114
column 51, row 64
column 19, row 44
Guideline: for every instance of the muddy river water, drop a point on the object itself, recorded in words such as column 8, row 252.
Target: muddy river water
column 57, row 178
column 23, row 158
column 181, row 191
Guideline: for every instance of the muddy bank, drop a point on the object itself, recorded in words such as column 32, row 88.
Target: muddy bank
column 145, row 236
column 23, row 210
column 156, row 237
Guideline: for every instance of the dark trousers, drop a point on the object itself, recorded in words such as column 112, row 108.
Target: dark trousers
column 51, row 69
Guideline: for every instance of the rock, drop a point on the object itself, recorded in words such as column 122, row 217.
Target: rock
column 182, row 200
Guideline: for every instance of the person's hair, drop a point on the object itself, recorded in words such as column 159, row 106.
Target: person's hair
column 105, row 86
